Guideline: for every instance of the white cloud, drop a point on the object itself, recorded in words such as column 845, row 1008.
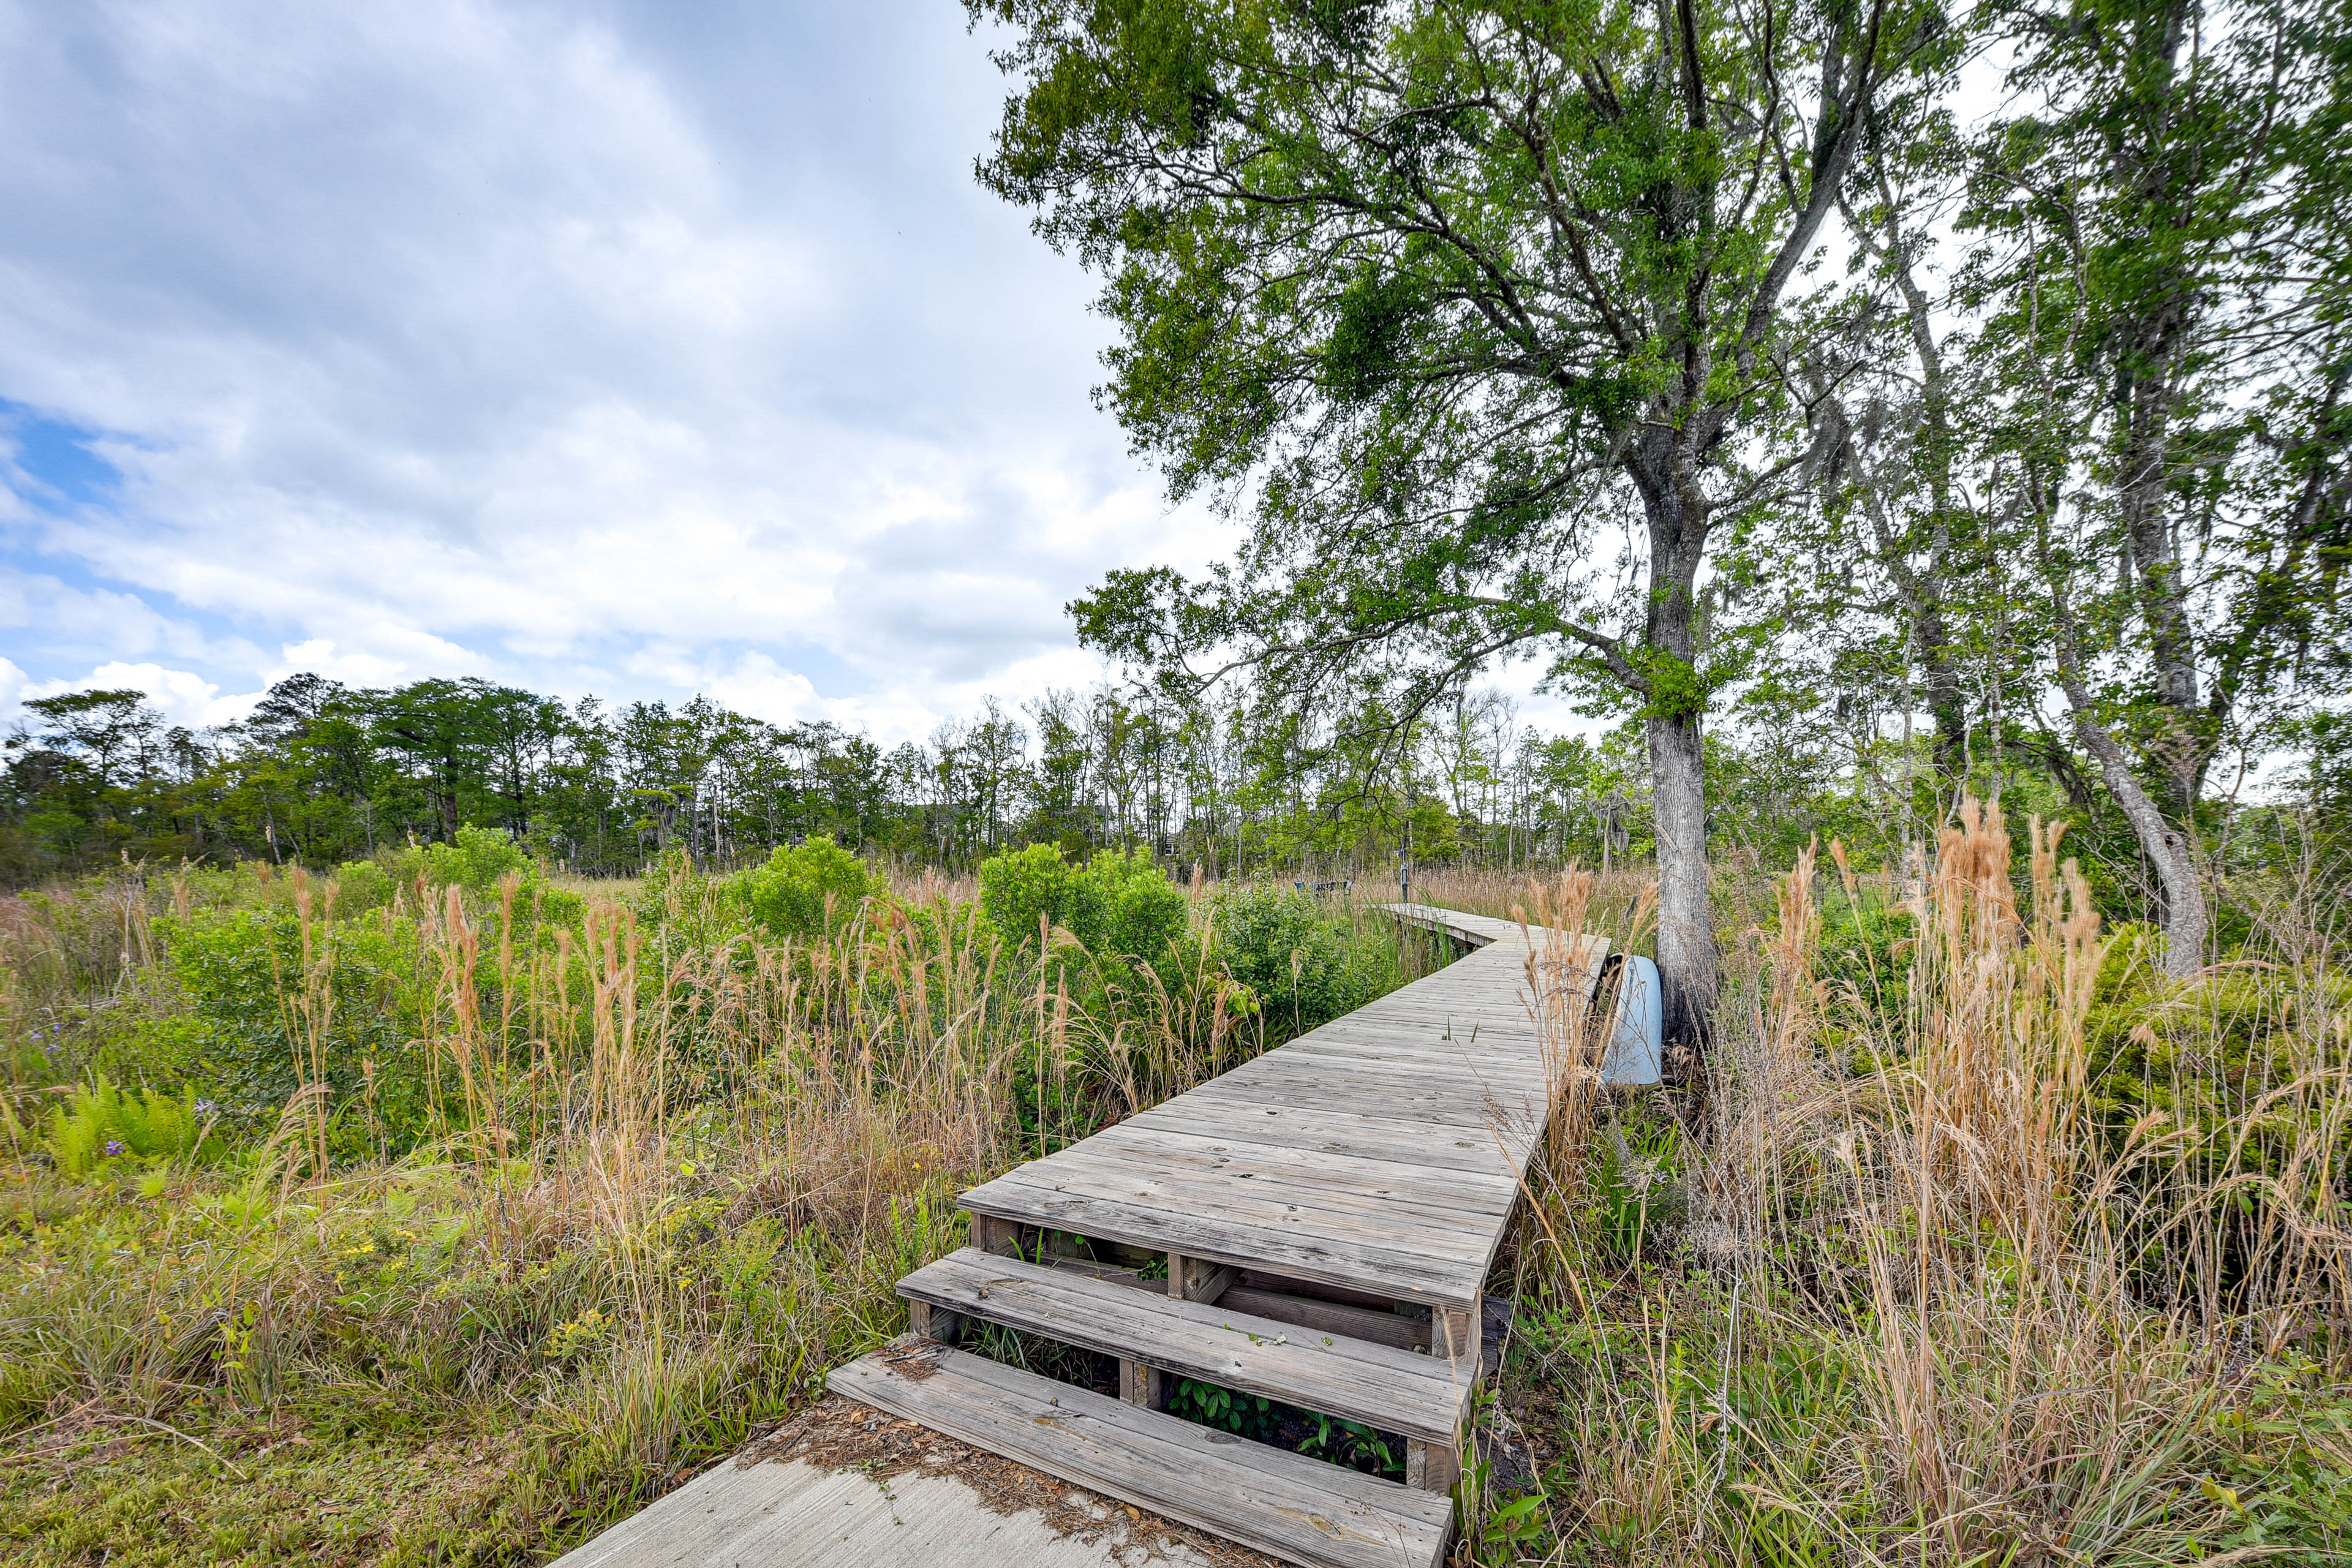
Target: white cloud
column 620, row 350
column 322, row 655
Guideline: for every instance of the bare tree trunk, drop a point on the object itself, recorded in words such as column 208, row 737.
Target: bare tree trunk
column 1686, row 914
column 1686, row 968
column 2183, row 919
column 2154, row 558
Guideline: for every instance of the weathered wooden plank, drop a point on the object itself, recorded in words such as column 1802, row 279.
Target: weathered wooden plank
column 1494, row 1003
column 797, row 1515
column 1111, row 1273
column 1516, row 1115
column 1405, row 1259
column 1447, row 1122
column 1140, row 1383
column 930, row 1322
column 1460, row 1118
column 1426, row 1045
column 1197, row 1279
column 1378, row 1328
column 1382, row 1084
column 1298, row 1247
column 1419, row 1395
column 1351, row 1180
column 1496, row 1036
column 1479, row 930
column 1432, row 1467
column 1452, row 1188
column 1325, row 1516
column 990, row 1234
column 1343, row 1214
column 1515, row 1067
column 1502, row 1056
column 1454, row 1334
column 1336, row 1132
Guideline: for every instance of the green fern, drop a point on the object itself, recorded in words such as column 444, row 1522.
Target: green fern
column 102, row 1123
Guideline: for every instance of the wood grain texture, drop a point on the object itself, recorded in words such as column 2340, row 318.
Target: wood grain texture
column 1325, row 1516
column 1432, row 1467
column 1383, row 1152
column 1296, row 1244
column 1382, row 1386
column 1374, row 1325
column 796, row 1515
column 1140, row 1383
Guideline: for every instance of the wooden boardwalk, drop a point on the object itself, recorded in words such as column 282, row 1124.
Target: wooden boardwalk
column 1380, row 1153
column 1315, row 1225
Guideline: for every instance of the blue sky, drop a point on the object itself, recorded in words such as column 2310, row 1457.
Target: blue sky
column 632, row 349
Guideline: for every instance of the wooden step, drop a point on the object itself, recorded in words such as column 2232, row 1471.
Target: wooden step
column 1241, row 1229
column 1423, row 1396
column 1296, row 1507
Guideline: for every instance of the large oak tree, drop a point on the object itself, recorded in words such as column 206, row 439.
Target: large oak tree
column 1435, row 294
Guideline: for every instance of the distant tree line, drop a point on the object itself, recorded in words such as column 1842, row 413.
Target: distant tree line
column 321, row 774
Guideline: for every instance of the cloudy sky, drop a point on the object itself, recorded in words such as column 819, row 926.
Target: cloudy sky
column 628, row 349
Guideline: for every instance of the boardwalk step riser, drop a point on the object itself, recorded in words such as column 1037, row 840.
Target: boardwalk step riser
column 1421, row 1396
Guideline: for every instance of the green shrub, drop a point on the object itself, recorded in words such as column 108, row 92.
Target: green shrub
column 1021, row 887
column 1866, row 943
column 1140, row 911
column 360, row 885
column 476, row 860
column 100, row 1124
column 1305, row 965
column 480, row 861
column 1119, row 905
column 2134, row 962
column 686, row 909
column 238, row 972
column 789, row 894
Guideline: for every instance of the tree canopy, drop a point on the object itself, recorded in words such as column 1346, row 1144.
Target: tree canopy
column 1479, row 312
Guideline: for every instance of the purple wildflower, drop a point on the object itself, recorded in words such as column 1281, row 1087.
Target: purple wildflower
column 113, row 1147
column 205, row 1108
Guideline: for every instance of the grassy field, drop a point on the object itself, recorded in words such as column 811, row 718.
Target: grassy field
column 471, row 1208
column 494, row 1209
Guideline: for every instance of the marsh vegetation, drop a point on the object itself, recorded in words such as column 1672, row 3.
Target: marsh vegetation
column 447, row 1216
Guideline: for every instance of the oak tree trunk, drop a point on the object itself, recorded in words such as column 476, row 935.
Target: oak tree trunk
column 1686, row 970
column 1685, row 913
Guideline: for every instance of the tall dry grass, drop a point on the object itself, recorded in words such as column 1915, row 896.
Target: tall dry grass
column 681, row 1165
column 1911, row 1278
column 1993, row 1248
